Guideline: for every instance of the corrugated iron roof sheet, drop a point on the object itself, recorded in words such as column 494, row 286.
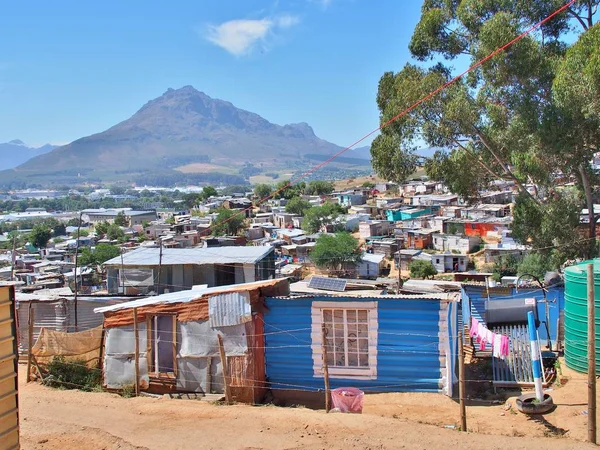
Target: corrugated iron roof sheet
column 191, row 295
column 229, row 309
column 173, row 256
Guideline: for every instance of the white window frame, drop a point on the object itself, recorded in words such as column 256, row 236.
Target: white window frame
column 358, row 373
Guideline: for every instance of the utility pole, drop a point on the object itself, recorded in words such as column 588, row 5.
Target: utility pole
column 591, row 353
column 13, row 257
column 400, row 283
column 461, row 383
column 122, row 272
column 75, row 270
column 160, row 252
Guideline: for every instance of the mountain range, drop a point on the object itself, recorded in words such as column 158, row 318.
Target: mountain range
column 186, row 130
column 16, row 152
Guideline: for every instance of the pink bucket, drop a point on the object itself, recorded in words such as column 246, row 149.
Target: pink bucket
column 348, row 400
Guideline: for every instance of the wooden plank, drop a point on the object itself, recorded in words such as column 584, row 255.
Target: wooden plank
column 137, row 352
column 208, row 375
column 30, row 336
column 225, row 369
column 325, row 369
column 174, row 344
column 149, row 342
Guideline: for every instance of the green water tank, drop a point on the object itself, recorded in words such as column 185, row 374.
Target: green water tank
column 576, row 315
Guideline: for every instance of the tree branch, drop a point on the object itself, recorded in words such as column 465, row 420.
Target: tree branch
column 509, row 172
column 479, row 160
column 578, row 17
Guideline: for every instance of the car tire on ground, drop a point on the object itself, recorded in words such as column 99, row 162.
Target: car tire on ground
column 528, row 404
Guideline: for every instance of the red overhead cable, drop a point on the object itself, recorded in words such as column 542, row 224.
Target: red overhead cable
column 403, row 113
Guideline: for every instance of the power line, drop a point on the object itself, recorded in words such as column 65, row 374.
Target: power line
column 407, row 110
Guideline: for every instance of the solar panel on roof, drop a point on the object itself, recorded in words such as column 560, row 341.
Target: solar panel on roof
column 327, row 284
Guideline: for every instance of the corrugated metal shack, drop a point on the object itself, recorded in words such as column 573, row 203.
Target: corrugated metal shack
column 178, row 343
column 377, row 343
column 55, row 309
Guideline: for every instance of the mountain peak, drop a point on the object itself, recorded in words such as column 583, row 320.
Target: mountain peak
column 17, row 142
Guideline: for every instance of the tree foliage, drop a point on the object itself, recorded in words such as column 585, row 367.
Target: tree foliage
column 229, row 222
column 536, row 264
column 317, row 217
column 115, row 233
column 209, row 191
column 40, row 235
column 337, row 252
column 101, row 227
column 99, row 255
column 521, row 116
column 288, row 192
column 422, row 269
column 297, row 205
column 262, row 190
column 121, row 220
column 319, row 188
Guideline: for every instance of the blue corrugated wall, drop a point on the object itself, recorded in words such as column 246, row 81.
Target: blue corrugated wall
column 407, row 346
column 476, row 296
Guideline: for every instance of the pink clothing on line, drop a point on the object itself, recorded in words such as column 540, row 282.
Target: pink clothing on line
column 474, row 326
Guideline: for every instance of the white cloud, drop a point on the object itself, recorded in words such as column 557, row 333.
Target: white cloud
column 240, row 37
column 287, row 21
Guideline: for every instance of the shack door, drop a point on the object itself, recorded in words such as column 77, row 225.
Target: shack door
column 164, row 345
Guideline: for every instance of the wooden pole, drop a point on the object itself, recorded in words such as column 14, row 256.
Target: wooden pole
column 13, row 257
column 325, row 370
column 461, row 382
column 225, row 369
column 208, row 375
column 160, row 253
column 122, row 273
column 591, row 353
column 75, row 299
column 30, row 321
column 137, row 352
column 399, row 272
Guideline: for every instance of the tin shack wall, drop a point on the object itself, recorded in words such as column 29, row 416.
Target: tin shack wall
column 413, row 340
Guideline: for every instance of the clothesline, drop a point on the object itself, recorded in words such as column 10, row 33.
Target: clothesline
column 499, row 342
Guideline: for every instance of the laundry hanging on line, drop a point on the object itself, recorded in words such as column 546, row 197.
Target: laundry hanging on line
column 500, row 344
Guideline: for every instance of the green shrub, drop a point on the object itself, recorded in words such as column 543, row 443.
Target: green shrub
column 73, row 374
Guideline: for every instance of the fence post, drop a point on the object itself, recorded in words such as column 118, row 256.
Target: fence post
column 325, row 370
column 591, row 351
column 225, row 369
column 30, row 322
column 461, row 382
column 137, row 352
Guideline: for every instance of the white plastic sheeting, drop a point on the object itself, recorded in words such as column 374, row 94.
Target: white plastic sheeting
column 119, row 360
column 199, row 340
column 229, row 309
column 192, row 375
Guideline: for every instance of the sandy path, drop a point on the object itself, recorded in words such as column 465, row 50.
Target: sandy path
column 54, row 419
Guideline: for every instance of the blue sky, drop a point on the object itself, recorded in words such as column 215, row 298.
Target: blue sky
column 70, row 68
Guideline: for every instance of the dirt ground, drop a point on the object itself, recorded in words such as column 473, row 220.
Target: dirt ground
column 60, row 419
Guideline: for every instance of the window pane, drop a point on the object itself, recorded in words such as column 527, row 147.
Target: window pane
column 326, row 315
column 363, row 345
column 363, row 331
column 363, row 360
column 362, row 315
column 338, row 316
column 330, row 359
column 353, row 359
column 351, row 314
column 352, row 345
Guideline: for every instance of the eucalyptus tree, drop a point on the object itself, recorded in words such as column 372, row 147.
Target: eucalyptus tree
column 508, row 119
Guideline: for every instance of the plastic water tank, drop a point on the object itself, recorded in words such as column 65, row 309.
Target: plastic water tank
column 576, row 315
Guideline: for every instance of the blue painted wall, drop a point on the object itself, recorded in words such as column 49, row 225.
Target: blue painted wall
column 476, row 297
column 408, row 352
